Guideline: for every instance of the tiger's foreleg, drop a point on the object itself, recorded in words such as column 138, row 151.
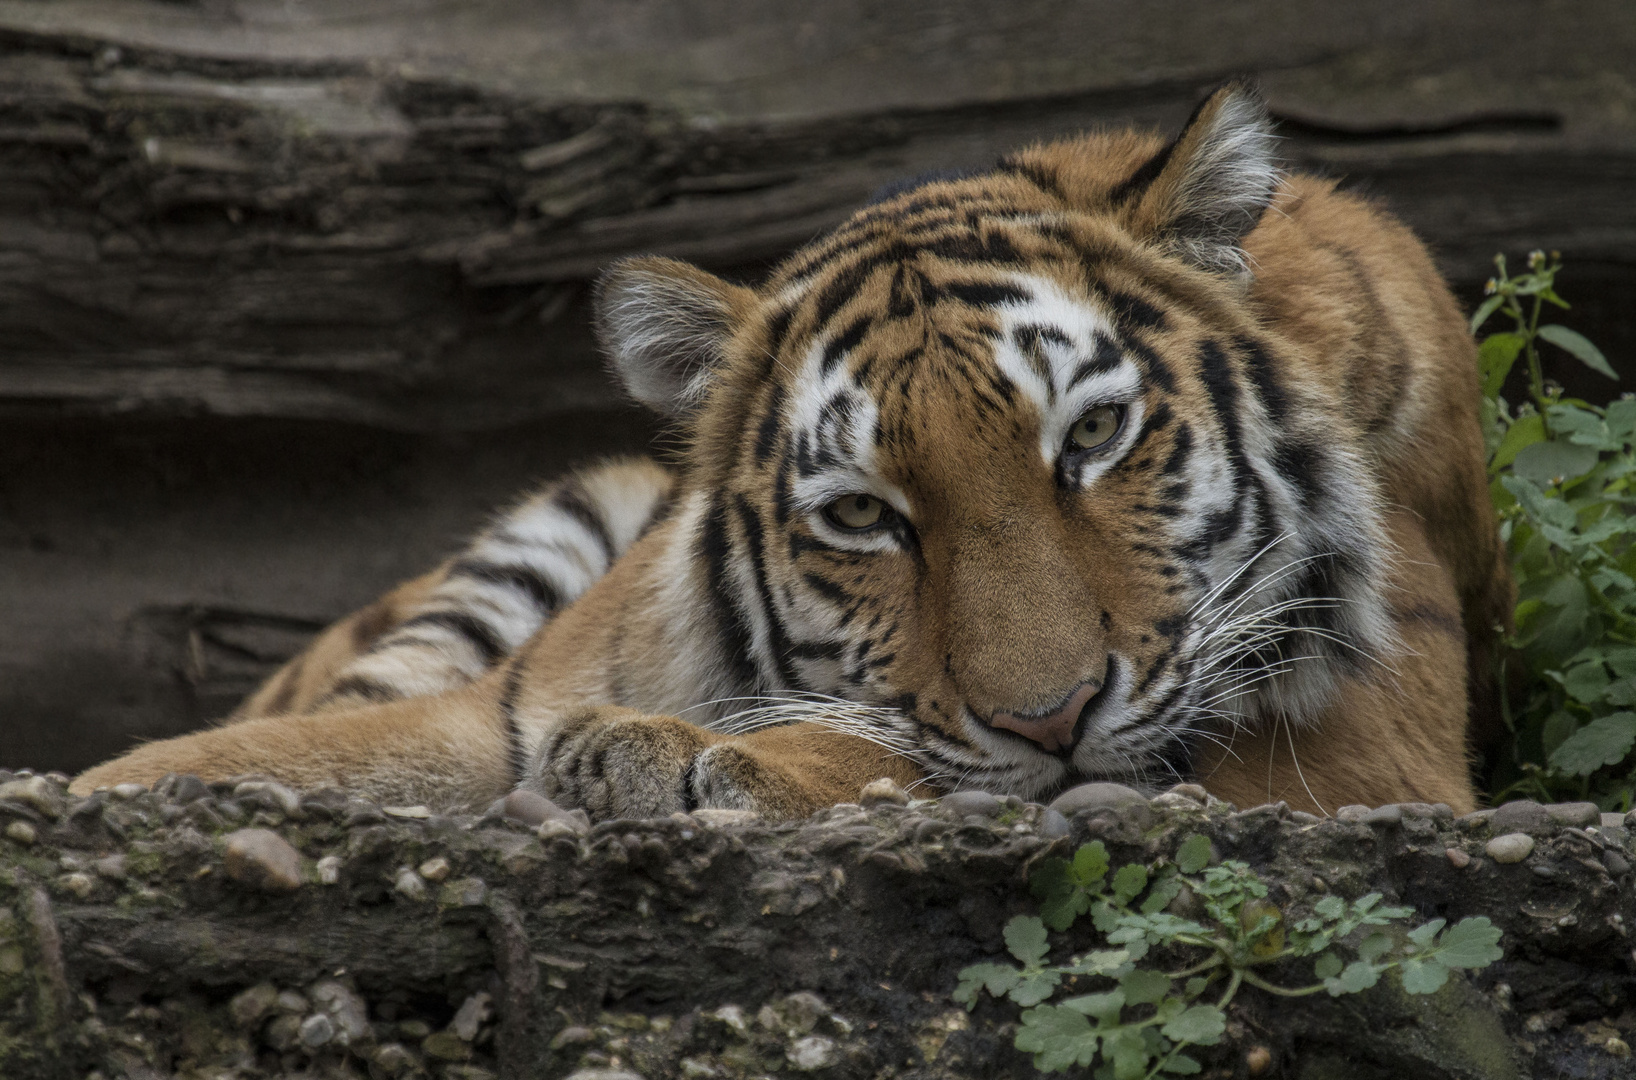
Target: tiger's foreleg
column 452, row 751
column 617, row 762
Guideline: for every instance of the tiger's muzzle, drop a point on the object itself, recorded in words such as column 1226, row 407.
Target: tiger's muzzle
column 1055, row 729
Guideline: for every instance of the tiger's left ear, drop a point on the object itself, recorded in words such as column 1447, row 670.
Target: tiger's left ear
column 664, row 326
column 1204, row 192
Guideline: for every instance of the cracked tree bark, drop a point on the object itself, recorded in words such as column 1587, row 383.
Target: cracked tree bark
column 469, row 948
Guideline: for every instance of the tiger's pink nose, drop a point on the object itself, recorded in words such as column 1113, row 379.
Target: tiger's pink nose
column 1055, row 730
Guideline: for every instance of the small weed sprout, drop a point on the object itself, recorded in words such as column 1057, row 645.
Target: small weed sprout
column 1137, row 1022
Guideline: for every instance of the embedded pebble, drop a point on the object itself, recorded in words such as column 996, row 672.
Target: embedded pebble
column 37, row 792
column 884, row 790
column 283, row 1032
column 603, row 1074
column 1457, row 858
column 1524, row 815
column 551, row 828
column 61, row 779
column 329, row 869
column 1617, row 865
column 1095, row 796
column 1190, row 791
column 1352, row 812
column 1510, row 848
column 1390, row 814
column 289, row 1001
column 21, row 831
column 412, row 813
column 248, row 1007
column 347, row 1012
column 1612, row 821
column 962, row 803
column 78, row 884
column 270, row 794
column 1576, row 814
column 572, row 1035
column 1476, row 821
column 263, row 859
column 410, row 884
column 1301, row 817
column 472, row 1015
column 128, row 791
column 445, row 1045
column 1257, row 1060
column 111, row 867
column 315, row 1031
column 1053, row 824
column 435, row 869
column 467, row 892
column 1170, row 800
column 393, row 1059
column 188, row 788
column 724, row 818
column 812, row 1052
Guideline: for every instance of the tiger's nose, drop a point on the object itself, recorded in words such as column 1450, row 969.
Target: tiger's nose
column 1053, row 730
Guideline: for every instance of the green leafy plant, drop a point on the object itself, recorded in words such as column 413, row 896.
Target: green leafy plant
column 1561, row 472
column 1219, row 933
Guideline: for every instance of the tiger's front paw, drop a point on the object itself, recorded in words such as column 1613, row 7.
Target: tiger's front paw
column 614, row 762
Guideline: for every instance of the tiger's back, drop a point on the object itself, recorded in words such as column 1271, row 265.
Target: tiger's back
column 1128, row 460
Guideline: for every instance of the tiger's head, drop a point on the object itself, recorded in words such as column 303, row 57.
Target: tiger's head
column 1012, row 457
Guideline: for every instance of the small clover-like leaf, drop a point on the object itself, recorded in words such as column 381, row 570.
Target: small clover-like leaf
column 1165, row 889
column 1328, row 966
column 1026, row 939
column 1376, row 946
column 1105, row 1006
column 1194, row 854
column 1356, row 977
column 1144, row 987
column 1111, row 962
column 1128, row 881
column 1035, row 987
column 1059, row 1038
column 1196, row 986
column 1424, row 975
column 1129, row 1053
column 996, row 978
column 1421, row 935
column 1330, row 908
column 1181, row 1065
column 1091, row 864
column 1202, row 1025
column 1470, row 943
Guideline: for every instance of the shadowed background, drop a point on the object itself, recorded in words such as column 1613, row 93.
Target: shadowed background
column 292, row 293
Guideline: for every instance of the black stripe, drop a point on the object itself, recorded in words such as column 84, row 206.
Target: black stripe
column 1302, row 465
column 777, row 644
column 715, row 549
column 1131, row 310
column 515, row 752
column 768, row 430
column 1264, row 378
column 986, row 293
column 482, row 636
column 1106, row 357
column 572, row 499
column 361, row 686
column 1181, row 448
column 524, row 579
column 1139, row 181
column 1034, row 173
column 844, row 342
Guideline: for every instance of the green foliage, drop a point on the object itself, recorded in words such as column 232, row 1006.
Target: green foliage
column 1561, row 472
column 1136, row 1021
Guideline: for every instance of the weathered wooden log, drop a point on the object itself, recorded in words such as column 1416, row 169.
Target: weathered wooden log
column 249, row 932
column 366, row 212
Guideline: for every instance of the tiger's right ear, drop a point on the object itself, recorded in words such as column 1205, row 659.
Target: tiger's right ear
column 664, row 326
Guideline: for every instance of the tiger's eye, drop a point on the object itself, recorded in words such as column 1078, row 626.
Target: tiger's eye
column 1095, row 427
column 855, row 511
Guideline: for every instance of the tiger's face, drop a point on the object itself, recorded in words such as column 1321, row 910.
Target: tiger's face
column 1008, row 460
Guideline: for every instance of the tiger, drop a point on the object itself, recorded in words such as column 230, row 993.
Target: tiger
column 1127, row 459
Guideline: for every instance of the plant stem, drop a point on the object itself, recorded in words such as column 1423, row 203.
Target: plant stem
column 1232, row 988
column 1274, row 988
column 1214, row 961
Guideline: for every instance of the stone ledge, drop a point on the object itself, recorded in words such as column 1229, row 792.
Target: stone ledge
column 246, row 931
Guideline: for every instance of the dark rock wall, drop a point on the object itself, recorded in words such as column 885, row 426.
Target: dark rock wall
column 291, row 293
